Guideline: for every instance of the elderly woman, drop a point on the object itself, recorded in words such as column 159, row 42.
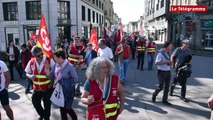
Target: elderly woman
column 103, row 92
column 65, row 74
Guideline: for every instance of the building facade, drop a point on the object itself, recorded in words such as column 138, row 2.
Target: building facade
column 108, row 12
column 64, row 18
column 91, row 14
column 155, row 19
column 19, row 19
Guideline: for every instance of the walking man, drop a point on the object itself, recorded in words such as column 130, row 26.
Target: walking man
column 141, row 49
column 35, row 70
column 124, row 54
column 180, row 57
column 163, row 63
column 151, row 50
column 4, row 84
column 103, row 50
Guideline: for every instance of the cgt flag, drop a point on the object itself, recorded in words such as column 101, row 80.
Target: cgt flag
column 121, row 32
column 94, row 40
column 44, row 38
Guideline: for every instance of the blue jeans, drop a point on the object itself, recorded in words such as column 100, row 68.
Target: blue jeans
column 150, row 61
column 123, row 68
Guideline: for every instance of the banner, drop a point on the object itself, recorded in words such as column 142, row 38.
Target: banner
column 94, row 40
column 121, row 32
column 44, row 39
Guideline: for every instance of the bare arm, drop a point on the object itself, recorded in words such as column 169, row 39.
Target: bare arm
column 7, row 78
column 86, row 98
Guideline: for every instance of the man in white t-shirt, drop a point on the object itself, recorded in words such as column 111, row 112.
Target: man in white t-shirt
column 4, row 84
column 103, row 50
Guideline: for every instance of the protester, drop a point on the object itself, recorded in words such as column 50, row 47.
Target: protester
column 163, row 63
column 141, row 49
column 151, row 50
column 76, row 57
column 124, row 54
column 35, row 70
column 65, row 74
column 90, row 54
column 4, row 84
column 103, row 50
column 13, row 54
column 180, row 57
column 26, row 55
column 103, row 92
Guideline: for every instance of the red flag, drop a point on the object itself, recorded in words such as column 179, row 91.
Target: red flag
column 94, row 40
column 33, row 39
column 121, row 32
column 44, row 39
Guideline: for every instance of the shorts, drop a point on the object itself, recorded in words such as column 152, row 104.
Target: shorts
column 4, row 97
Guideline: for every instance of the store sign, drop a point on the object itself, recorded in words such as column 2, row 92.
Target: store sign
column 20, row 22
column 208, row 23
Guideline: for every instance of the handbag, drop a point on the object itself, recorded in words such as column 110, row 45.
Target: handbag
column 57, row 97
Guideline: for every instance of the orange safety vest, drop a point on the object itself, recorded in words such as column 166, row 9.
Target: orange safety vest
column 41, row 81
column 75, row 51
column 100, row 111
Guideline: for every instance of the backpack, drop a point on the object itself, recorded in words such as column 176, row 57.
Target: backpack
column 185, row 70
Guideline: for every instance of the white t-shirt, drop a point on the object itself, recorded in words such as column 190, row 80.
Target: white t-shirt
column 11, row 52
column 106, row 53
column 3, row 69
column 163, row 67
column 39, row 66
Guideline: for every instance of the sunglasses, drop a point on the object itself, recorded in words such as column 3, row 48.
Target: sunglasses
column 39, row 55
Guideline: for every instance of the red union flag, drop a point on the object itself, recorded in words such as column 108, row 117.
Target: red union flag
column 44, row 38
column 188, row 8
column 94, row 40
column 121, row 32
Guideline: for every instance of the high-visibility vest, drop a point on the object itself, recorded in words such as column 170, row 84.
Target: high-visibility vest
column 41, row 81
column 151, row 49
column 75, row 51
column 140, row 47
column 98, row 110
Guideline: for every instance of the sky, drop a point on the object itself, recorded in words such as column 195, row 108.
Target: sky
column 128, row 10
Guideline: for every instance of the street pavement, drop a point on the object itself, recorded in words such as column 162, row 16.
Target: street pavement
column 138, row 91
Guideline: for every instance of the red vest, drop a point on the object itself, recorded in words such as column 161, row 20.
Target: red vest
column 151, row 48
column 141, row 47
column 98, row 110
column 75, row 51
column 41, row 82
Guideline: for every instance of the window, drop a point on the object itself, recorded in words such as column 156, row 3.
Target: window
column 83, row 13
column 89, row 15
column 102, row 6
column 10, row 11
column 97, row 3
column 162, row 4
column 93, row 16
column 100, row 18
column 63, row 10
column 33, row 10
column 96, row 17
column 93, row 1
